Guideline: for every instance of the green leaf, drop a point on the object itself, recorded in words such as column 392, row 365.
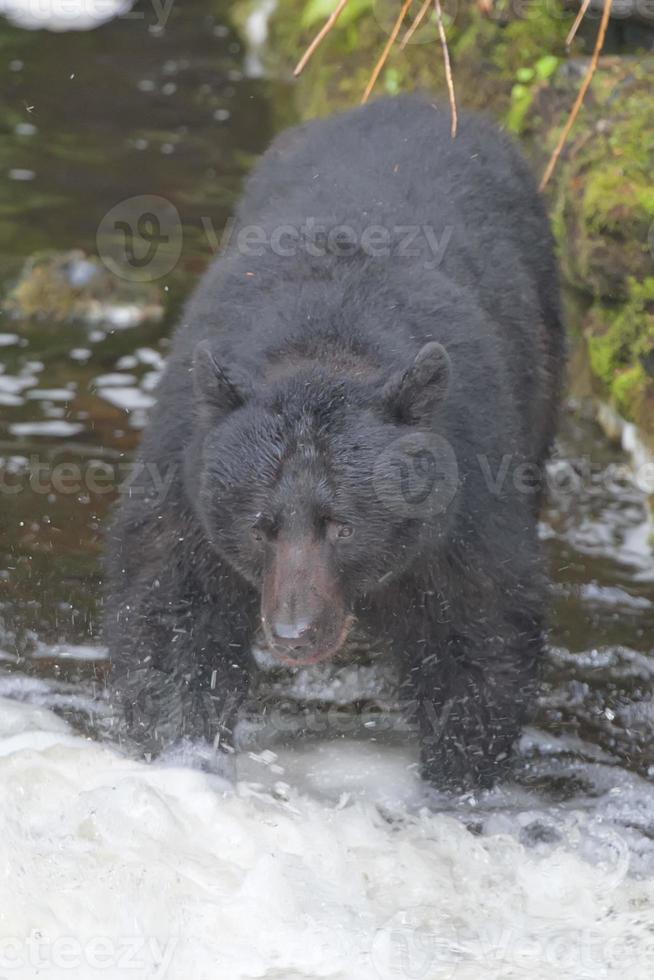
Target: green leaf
column 525, row 74
column 522, row 97
column 520, row 92
column 392, row 81
column 319, row 10
column 354, row 10
column 316, row 10
column 546, row 66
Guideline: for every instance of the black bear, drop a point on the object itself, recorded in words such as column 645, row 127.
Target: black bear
column 352, row 427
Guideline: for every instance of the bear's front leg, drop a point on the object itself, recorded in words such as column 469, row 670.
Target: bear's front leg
column 472, row 689
column 180, row 666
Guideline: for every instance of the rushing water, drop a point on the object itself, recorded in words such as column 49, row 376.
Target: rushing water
column 329, row 859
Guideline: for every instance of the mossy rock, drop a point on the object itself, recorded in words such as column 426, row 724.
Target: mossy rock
column 72, row 286
column 603, row 197
column 621, row 350
column 488, row 53
column 602, row 201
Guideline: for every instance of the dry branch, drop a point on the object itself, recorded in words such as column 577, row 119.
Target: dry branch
column 485, row 5
column 320, row 36
column 416, row 24
column 387, row 50
column 585, row 85
column 448, row 67
column 578, row 19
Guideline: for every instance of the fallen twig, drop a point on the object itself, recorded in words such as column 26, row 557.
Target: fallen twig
column 578, row 19
column 585, row 85
column 387, row 50
column 416, row 24
column 448, row 67
column 320, row 36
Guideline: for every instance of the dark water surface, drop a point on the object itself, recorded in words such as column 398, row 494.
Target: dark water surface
column 90, row 119
column 93, row 118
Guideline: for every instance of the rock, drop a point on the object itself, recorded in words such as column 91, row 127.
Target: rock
column 603, row 214
column 73, row 287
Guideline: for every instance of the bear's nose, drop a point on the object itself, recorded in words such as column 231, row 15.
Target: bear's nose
column 292, row 632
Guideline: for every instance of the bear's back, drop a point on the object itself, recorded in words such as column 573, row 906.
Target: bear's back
column 481, row 275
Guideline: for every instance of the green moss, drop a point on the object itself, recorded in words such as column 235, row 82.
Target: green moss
column 522, row 98
column 621, row 351
column 645, row 196
column 316, row 11
column 627, row 390
column 527, row 41
column 608, row 200
column 605, row 350
column 603, row 203
column 475, row 36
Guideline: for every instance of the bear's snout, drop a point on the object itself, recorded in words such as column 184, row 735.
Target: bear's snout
column 303, row 612
column 292, row 630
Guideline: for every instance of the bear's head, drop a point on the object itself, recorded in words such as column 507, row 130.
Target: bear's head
column 320, row 487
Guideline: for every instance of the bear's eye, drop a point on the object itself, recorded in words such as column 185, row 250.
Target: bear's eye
column 262, row 528
column 338, row 530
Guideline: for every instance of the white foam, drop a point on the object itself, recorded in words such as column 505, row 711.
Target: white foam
column 256, row 34
column 111, row 864
column 62, row 15
column 69, row 651
column 51, row 394
column 10, row 400
column 114, row 380
column 13, row 385
column 128, row 398
column 57, row 428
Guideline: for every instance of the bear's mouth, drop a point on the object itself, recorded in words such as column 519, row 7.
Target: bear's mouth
column 303, row 656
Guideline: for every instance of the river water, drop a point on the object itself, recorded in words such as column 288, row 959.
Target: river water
column 328, row 858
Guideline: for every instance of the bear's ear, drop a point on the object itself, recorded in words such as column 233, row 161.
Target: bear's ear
column 412, row 394
column 215, row 389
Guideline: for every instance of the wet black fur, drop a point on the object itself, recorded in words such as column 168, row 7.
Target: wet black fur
column 300, row 352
